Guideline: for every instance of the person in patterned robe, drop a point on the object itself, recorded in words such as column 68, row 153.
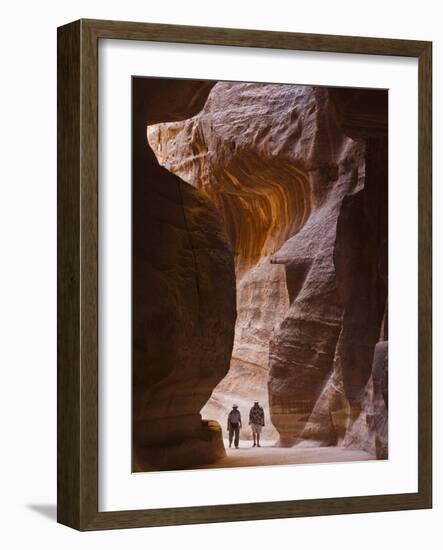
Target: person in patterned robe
column 256, row 421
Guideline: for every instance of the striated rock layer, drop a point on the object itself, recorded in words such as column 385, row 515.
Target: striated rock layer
column 299, row 177
column 183, row 295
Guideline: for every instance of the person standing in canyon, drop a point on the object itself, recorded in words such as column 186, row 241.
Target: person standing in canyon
column 256, row 421
column 234, row 426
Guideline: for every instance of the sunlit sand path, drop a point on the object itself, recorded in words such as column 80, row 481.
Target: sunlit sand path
column 267, row 455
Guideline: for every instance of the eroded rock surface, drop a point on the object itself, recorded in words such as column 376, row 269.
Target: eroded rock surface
column 299, row 177
column 183, row 295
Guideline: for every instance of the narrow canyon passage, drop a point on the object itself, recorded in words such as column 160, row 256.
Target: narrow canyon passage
column 267, row 204
column 282, row 191
column 263, row 202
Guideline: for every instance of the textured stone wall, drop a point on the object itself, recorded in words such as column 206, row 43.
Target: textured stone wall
column 183, row 295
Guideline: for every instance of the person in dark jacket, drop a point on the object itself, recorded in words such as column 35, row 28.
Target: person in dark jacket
column 234, row 426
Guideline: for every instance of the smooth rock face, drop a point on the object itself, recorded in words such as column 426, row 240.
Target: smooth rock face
column 299, row 177
column 183, row 297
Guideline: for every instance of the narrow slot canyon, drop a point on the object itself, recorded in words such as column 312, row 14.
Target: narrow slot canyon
column 282, row 267
column 262, row 203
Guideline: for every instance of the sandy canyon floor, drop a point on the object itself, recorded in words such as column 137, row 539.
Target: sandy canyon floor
column 268, row 455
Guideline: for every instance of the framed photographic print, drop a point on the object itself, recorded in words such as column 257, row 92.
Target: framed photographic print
column 236, row 210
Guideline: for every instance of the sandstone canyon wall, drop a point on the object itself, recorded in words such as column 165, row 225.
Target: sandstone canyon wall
column 183, row 295
column 298, row 175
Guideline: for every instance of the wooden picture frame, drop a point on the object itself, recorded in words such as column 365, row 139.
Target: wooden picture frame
column 78, row 276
